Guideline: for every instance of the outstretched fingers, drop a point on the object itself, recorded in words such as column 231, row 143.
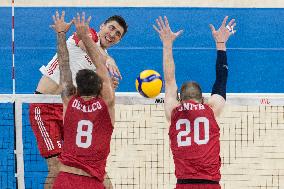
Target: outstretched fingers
column 62, row 15
column 212, row 28
column 224, row 21
column 162, row 22
column 88, row 20
column 177, row 34
column 231, row 23
column 78, row 19
column 155, row 28
column 68, row 25
column 159, row 24
column 83, row 17
column 59, row 23
column 166, row 22
column 231, row 26
column 57, row 15
column 54, row 19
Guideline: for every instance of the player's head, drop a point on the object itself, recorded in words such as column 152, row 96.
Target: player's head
column 88, row 83
column 191, row 90
column 112, row 30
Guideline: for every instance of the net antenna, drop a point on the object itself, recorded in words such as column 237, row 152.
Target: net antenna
column 18, row 144
column 13, row 48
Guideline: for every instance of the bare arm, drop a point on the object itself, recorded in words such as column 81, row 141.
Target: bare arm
column 68, row 89
column 98, row 59
column 221, row 36
column 167, row 37
column 110, row 63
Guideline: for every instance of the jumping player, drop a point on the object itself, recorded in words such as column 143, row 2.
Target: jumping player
column 194, row 132
column 88, row 113
column 46, row 119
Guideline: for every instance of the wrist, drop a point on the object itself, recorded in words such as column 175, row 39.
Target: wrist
column 168, row 45
column 221, row 46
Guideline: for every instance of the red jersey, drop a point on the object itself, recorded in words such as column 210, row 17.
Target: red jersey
column 195, row 144
column 87, row 135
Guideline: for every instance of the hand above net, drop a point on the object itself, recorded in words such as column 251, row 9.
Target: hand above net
column 165, row 32
column 82, row 25
column 59, row 24
column 224, row 32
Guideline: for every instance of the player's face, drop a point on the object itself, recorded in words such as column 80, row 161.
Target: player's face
column 110, row 34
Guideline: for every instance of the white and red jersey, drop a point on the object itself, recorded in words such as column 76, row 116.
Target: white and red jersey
column 78, row 59
column 87, row 135
column 195, row 142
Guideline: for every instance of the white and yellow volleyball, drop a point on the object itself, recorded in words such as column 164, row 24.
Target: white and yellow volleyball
column 149, row 83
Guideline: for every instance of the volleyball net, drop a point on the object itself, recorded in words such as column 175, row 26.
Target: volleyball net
column 251, row 131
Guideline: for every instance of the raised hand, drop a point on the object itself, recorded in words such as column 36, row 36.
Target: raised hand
column 224, row 32
column 59, row 24
column 82, row 26
column 165, row 32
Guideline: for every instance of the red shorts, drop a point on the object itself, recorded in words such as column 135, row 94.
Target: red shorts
column 70, row 181
column 47, row 124
column 198, row 186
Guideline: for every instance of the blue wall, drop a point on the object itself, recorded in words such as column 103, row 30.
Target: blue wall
column 5, row 51
column 255, row 66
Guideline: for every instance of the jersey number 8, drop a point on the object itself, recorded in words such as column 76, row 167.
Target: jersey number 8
column 87, row 133
column 197, row 140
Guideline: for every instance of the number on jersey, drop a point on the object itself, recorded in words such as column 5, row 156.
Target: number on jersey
column 196, row 127
column 84, row 134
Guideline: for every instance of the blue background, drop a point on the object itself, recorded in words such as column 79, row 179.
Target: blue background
column 255, row 57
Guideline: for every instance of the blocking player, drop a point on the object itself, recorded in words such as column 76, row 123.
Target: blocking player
column 194, row 132
column 88, row 113
column 46, row 119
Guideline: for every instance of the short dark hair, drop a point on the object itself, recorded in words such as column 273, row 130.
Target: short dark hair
column 191, row 90
column 120, row 21
column 88, row 83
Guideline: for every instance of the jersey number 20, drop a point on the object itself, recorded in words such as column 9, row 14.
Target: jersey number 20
column 196, row 124
column 86, row 134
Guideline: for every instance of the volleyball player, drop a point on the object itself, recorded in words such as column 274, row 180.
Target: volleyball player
column 88, row 113
column 194, row 132
column 46, row 119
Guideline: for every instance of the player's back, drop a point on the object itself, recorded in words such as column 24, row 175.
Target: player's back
column 87, row 135
column 194, row 135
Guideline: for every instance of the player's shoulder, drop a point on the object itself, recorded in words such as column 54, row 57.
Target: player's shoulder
column 216, row 103
column 72, row 39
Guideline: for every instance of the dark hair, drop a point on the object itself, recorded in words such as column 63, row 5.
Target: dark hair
column 191, row 90
column 120, row 21
column 88, row 83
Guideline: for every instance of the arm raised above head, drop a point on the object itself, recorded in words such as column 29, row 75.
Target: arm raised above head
column 82, row 29
column 167, row 37
column 221, row 36
column 61, row 27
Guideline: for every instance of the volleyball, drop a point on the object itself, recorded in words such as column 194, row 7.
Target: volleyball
column 149, row 83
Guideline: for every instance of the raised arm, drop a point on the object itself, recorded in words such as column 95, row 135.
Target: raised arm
column 221, row 36
column 167, row 37
column 82, row 29
column 110, row 62
column 61, row 27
